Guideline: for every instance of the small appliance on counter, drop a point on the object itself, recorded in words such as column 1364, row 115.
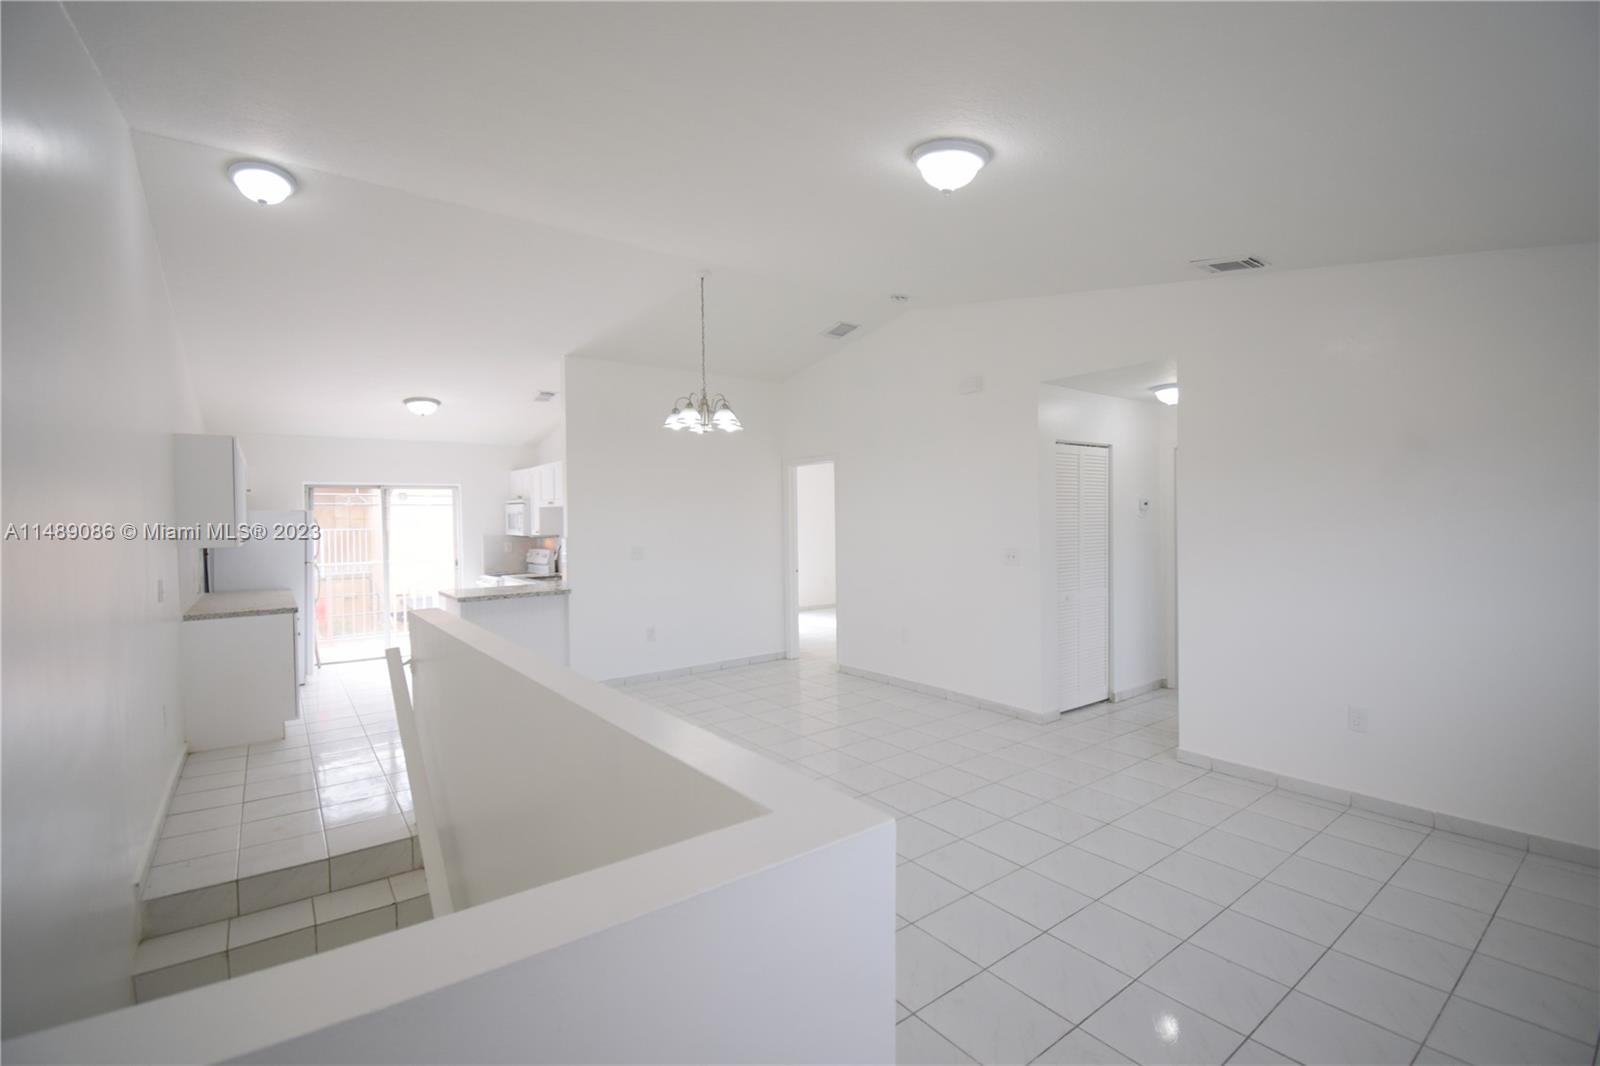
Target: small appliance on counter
column 541, row 562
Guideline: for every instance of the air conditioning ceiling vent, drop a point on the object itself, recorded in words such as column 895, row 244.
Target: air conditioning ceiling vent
column 841, row 329
column 1229, row 266
column 544, row 396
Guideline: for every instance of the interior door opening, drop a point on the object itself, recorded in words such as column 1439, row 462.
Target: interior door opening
column 385, row 550
column 815, row 593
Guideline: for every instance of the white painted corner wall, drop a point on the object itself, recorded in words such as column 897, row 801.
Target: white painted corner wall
column 1141, row 436
column 1388, row 491
column 672, row 534
column 814, row 541
column 94, row 389
column 1387, row 496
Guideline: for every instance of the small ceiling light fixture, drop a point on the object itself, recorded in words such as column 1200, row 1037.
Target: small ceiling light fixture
column 702, row 412
column 950, row 163
column 1167, row 394
column 262, row 182
column 422, row 406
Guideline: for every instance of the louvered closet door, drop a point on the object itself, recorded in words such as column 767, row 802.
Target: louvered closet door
column 1083, row 574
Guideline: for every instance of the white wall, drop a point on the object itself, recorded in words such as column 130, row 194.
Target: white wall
column 281, row 467
column 1388, row 489
column 1387, row 496
column 1141, row 436
column 814, row 543
column 667, row 531
column 93, row 390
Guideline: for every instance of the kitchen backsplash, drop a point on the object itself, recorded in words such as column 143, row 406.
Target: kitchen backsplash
column 504, row 554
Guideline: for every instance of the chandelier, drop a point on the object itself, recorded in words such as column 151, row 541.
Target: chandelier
column 701, row 412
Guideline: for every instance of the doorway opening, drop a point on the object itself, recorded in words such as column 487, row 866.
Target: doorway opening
column 814, row 588
column 1108, row 447
column 384, row 550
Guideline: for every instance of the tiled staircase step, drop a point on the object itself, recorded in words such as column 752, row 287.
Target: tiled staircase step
column 360, row 855
column 217, row 950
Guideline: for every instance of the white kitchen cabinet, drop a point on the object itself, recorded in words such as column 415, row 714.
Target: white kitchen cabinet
column 524, row 484
column 236, row 653
column 210, row 475
column 544, row 485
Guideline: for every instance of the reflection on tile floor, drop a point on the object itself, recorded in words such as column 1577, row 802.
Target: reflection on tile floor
column 1070, row 893
column 334, row 787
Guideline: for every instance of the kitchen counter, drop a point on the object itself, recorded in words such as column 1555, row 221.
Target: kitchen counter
column 530, row 612
column 509, row 589
column 241, row 604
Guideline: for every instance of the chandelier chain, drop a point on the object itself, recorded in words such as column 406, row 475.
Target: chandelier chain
column 703, row 389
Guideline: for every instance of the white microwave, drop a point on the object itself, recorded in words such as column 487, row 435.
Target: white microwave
column 517, row 518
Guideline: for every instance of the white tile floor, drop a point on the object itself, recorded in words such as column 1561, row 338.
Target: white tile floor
column 1070, row 893
column 333, row 791
column 230, row 947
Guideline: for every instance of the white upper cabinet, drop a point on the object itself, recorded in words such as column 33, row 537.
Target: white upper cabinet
column 542, row 486
column 209, row 470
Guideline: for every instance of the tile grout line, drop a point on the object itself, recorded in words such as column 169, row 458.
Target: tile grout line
column 788, row 706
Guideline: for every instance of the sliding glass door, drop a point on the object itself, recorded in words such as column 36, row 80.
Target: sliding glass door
column 385, row 550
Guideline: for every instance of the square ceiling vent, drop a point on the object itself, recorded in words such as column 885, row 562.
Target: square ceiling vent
column 544, row 397
column 841, row 329
column 1229, row 266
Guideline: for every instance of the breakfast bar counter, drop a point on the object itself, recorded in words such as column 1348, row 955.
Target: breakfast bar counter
column 529, row 612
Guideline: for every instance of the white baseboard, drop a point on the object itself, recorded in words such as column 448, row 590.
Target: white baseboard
column 154, row 837
column 1139, row 690
column 1443, row 820
column 952, row 696
column 685, row 671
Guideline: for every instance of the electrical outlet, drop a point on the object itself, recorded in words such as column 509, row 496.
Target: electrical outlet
column 1012, row 558
column 637, row 553
column 650, row 634
column 1357, row 719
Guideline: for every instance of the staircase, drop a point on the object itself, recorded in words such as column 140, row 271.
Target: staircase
column 276, row 850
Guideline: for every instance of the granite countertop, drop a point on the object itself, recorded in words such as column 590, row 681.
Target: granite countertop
column 509, row 589
column 241, row 604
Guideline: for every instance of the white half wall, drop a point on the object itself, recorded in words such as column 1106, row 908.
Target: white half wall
column 813, row 484
column 94, row 388
column 675, row 541
column 280, row 468
column 1141, row 436
column 1388, row 494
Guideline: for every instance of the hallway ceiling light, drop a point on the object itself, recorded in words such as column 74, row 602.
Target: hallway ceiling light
column 422, row 406
column 950, row 163
column 1167, row 394
column 262, row 182
column 702, row 412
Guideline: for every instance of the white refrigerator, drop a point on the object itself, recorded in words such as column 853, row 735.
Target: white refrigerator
column 275, row 564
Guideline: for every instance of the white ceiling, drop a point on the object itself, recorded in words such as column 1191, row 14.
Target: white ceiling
column 1125, row 382
column 769, row 141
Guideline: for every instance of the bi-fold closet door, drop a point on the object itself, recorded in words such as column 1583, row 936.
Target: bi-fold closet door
column 1083, row 574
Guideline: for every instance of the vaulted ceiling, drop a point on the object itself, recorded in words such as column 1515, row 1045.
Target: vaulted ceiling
column 487, row 188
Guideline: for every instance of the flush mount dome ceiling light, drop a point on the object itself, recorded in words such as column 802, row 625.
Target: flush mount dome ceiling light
column 701, row 412
column 262, row 182
column 422, row 406
column 1167, row 394
column 950, row 163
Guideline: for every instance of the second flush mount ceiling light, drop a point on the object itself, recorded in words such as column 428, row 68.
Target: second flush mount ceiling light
column 264, row 183
column 950, row 163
